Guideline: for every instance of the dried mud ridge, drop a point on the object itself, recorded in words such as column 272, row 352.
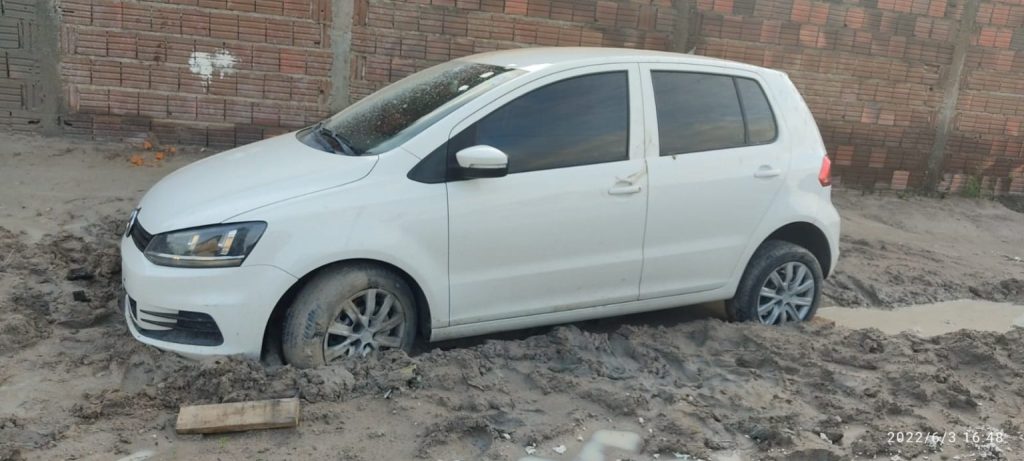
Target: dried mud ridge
column 808, row 391
column 880, row 274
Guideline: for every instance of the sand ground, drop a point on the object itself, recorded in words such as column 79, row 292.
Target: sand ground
column 923, row 335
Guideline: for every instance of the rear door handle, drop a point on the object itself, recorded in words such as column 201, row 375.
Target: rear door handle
column 624, row 190
column 766, row 171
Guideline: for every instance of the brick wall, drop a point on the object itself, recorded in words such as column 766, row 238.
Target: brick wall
column 391, row 39
column 211, row 72
column 870, row 72
column 874, row 72
column 892, row 83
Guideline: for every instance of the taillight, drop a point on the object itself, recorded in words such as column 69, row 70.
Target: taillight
column 825, row 173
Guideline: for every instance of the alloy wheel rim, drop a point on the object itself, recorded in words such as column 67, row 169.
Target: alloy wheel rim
column 370, row 320
column 786, row 294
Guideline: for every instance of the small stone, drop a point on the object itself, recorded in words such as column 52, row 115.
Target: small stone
column 560, row 449
column 79, row 273
column 80, row 296
column 831, row 436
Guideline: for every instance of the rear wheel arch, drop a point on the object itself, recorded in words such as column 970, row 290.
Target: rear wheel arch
column 275, row 323
column 808, row 236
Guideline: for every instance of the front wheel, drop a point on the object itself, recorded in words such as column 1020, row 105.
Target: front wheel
column 782, row 283
column 346, row 311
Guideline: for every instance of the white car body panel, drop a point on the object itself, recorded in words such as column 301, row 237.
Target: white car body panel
column 216, row 188
column 240, row 299
column 704, row 206
column 494, row 254
column 557, row 234
column 401, row 223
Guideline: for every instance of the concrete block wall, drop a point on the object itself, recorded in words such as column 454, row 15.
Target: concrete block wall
column 29, row 90
column 987, row 137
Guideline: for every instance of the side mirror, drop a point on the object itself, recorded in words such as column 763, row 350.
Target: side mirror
column 482, row 162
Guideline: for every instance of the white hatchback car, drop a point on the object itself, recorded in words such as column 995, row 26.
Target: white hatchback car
column 494, row 192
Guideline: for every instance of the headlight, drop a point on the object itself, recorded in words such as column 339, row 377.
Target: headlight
column 223, row 245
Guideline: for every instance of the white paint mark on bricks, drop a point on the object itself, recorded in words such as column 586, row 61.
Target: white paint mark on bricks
column 205, row 65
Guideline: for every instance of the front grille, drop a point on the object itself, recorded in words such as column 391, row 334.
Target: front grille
column 140, row 236
column 182, row 327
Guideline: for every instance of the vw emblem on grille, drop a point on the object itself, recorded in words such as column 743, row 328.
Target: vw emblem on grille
column 131, row 221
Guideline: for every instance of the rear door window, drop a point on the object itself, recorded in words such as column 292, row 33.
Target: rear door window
column 700, row 112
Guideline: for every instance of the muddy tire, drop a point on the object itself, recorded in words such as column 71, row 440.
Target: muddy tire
column 349, row 310
column 782, row 283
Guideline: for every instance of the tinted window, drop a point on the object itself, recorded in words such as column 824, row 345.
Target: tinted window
column 696, row 112
column 578, row 121
column 760, row 122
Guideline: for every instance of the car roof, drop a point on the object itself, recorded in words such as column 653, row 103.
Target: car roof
column 543, row 57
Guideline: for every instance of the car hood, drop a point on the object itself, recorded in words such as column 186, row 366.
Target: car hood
column 225, row 185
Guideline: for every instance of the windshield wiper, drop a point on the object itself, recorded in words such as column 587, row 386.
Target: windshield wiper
column 335, row 141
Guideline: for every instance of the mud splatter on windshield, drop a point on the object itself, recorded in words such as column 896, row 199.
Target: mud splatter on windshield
column 394, row 114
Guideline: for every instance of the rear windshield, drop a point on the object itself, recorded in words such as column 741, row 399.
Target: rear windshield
column 389, row 117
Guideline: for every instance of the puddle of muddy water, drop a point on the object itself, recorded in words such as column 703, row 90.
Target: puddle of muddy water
column 931, row 319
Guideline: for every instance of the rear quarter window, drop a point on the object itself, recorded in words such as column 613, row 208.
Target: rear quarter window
column 757, row 112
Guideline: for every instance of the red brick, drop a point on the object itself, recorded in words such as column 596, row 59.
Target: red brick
column 518, row 7
column 292, row 61
column 801, row 11
column 242, row 5
column 153, row 105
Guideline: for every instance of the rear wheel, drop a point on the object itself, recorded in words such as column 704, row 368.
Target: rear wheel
column 347, row 311
column 782, row 283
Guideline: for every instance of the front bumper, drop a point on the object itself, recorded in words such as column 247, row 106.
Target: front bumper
column 179, row 309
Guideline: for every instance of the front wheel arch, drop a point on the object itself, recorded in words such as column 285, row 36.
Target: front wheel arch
column 275, row 323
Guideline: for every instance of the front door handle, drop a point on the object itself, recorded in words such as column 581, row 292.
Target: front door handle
column 766, row 171
column 624, row 190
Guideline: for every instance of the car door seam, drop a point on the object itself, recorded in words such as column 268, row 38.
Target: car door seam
column 644, row 166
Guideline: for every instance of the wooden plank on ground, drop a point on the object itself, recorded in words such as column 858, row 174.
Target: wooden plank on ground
column 240, row 416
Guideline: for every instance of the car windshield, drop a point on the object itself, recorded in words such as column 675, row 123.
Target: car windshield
column 389, row 117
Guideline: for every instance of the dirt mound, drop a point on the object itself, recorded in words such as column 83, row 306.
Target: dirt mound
column 700, row 388
column 1013, row 202
column 903, row 251
column 64, row 279
column 703, row 387
column 880, row 274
